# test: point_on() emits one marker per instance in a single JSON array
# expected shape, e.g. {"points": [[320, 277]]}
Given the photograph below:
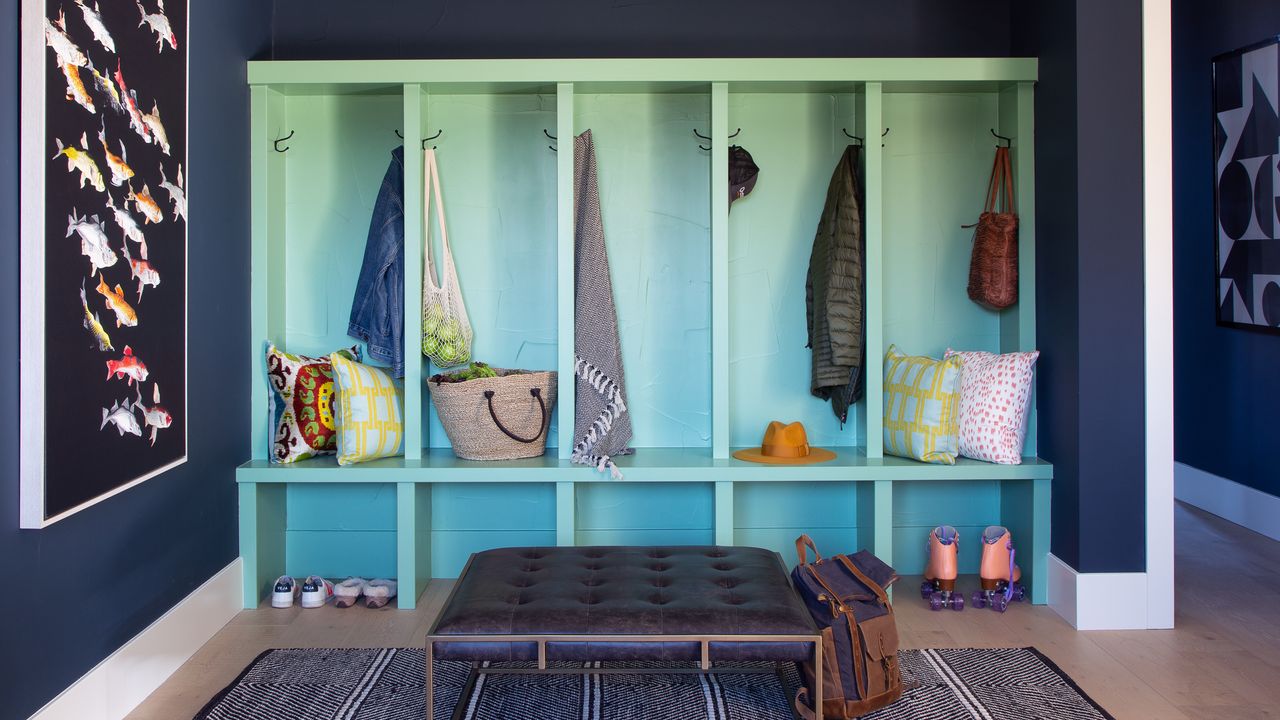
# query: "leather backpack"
{"points": [[993, 267], [846, 597]]}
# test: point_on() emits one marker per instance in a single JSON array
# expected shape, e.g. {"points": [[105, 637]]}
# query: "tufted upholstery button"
{"points": [[532, 555], [659, 567], [658, 600], [716, 553], [729, 582], [593, 582], [591, 566], [588, 600], [735, 600], [723, 566], [532, 568], [660, 582]]}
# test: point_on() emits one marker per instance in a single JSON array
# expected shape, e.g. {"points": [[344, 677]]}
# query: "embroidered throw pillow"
{"points": [[370, 418], [995, 399], [921, 407], [302, 422]]}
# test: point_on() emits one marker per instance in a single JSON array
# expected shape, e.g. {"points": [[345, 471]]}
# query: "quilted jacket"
{"points": [[834, 292]]}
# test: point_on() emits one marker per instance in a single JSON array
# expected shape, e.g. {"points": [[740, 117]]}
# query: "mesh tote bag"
{"points": [[446, 331], [993, 269]]}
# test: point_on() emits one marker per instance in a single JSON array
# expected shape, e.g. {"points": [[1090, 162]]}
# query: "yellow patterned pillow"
{"points": [[369, 415], [922, 407]]}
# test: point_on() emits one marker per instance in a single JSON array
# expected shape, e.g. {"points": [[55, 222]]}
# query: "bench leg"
{"points": [[430, 678], [817, 680]]}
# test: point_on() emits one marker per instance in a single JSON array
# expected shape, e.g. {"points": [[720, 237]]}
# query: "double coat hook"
{"points": [[424, 140], [704, 137], [277, 142], [552, 138], [861, 142], [1000, 137]]}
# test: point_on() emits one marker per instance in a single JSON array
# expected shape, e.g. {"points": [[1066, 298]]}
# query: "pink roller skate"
{"points": [[939, 586], [998, 573]]}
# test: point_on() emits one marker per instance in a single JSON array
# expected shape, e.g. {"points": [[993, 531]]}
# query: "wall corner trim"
{"points": [[118, 684], [1249, 508], [1099, 601]]}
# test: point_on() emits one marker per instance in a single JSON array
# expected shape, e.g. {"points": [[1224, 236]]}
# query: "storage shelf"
{"points": [[665, 465]]}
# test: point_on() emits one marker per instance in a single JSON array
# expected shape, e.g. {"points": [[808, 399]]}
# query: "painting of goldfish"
{"points": [[121, 416], [120, 170], [146, 204], [159, 24], [76, 91], [93, 325], [132, 231], [125, 314], [80, 159], [128, 367], [176, 194], [154, 417], [141, 271], [93, 241]]}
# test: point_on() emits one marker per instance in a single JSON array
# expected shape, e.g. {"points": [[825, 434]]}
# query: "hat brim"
{"points": [[756, 455]]}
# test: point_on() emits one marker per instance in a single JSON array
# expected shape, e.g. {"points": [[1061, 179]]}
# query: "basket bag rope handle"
{"points": [[1001, 179], [432, 187], [537, 393]]}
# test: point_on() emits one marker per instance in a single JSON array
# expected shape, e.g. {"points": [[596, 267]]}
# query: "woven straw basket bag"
{"points": [[498, 418]]}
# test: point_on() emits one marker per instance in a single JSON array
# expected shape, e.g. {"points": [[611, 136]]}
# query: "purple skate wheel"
{"points": [[999, 603], [1019, 592], [957, 602], [979, 600], [926, 589], [935, 601]]}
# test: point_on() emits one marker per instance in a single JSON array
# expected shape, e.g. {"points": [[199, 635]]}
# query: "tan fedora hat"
{"points": [[785, 445]]}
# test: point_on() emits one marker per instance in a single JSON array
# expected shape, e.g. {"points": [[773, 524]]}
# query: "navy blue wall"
{"points": [[1227, 381], [1089, 274], [82, 587]]}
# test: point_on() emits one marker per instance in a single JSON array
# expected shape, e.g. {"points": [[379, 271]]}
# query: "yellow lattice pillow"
{"points": [[369, 415], [922, 407]]}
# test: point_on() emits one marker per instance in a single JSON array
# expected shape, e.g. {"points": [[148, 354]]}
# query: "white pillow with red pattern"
{"points": [[995, 400]]}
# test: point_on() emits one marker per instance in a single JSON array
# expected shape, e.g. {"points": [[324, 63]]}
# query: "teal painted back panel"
{"points": [[655, 507], [334, 168], [772, 515], [920, 506], [341, 530], [795, 139], [468, 518], [937, 163], [499, 184], [654, 186]]}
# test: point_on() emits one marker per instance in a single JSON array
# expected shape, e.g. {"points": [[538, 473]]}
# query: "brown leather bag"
{"points": [[993, 269]]}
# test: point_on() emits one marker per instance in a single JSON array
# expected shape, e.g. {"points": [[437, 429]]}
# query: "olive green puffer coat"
{"points": [[834, 292]]}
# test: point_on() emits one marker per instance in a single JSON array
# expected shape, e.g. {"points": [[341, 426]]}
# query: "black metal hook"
{"points": [[861, 142], [277, 142], [1000, 137], [424, 140], [551, 137], [704, 137]]}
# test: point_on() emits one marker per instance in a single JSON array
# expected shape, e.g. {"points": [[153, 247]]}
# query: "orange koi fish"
{"points": [[146, 204], [155, 417], [142, 272], [82, 161], [76, 91], [128, 367], [125, 314], [158, 133], [120, 170]]}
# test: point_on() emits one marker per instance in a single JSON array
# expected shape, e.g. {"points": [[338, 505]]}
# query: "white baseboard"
{"points": [[116, 686], [1228, 499], [1098, 601]]}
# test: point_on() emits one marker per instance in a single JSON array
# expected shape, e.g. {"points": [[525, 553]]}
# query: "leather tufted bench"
{"points": [[586, 604]]}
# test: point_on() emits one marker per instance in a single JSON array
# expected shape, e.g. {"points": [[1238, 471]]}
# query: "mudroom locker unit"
{"points": [[711, 304]]}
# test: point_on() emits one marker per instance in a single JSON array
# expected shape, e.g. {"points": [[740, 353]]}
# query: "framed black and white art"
{"points": [[1246, 152], [104, 250]]}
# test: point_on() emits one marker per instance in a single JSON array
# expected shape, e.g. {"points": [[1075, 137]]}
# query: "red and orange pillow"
{"points": [[303, 423]]}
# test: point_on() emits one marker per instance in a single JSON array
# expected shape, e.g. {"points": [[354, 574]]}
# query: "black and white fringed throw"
{"points": [[602, 426]]}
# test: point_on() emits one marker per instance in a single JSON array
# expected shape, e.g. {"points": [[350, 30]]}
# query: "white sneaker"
{"points": [[316, 591], [347, 592], [379, 592], [284, 591]]}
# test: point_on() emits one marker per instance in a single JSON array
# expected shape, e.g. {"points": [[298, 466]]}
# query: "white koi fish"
{"points": [[159, 25], [93, 325], [152, 119], [55, 35], [121, 415], [125, 314], [93, 18], [155, 417], [82, 161], [107, 88], [142, 272], [93, 241], [120, 170], [76, 91], [146, 204], [176, 193], [131, 106], [132, 231]]}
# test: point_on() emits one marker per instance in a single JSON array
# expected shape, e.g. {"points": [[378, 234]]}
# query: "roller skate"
{"points": [[939, 586], [998, 573]]}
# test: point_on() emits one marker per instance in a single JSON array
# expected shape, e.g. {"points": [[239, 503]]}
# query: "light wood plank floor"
{"points": [[1222, 661]]}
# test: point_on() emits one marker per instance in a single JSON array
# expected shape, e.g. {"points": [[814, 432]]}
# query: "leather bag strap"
{"points": [[881, 595], [1001, 179], [801, 543]]}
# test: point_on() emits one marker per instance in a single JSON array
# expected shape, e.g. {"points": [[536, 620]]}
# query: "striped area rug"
{"points": [[387, 684]]}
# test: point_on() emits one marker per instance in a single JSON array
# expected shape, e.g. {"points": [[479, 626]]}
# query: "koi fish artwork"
{"points": [[176, 193], [132, 231], [131, 106], [158, 134], [93, 18], [121, 415], [146, 205], [154, 417], [93, 241], [142, 272], [128, 367], [55, 35], [76, 91], [125, 314], [82, 161], [108, 89], [92, 324], [120, 170], [159, 24]]}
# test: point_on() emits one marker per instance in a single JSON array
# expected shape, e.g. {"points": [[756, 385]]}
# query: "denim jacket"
{"points": [[377, 312]]}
